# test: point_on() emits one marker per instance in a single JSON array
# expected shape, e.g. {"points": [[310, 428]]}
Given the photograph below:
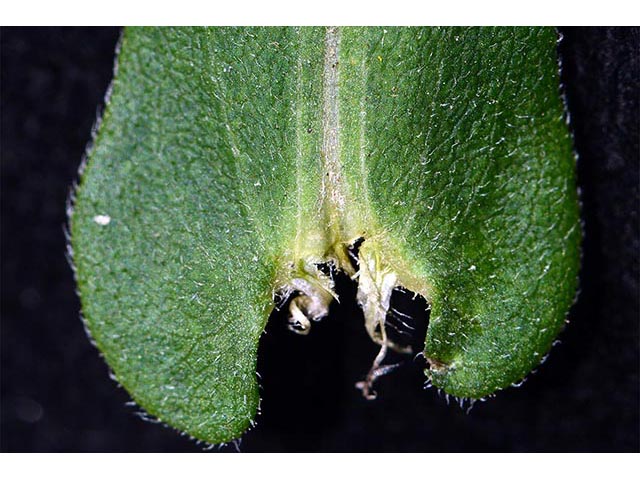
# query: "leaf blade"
{"points": [[211, 167]]}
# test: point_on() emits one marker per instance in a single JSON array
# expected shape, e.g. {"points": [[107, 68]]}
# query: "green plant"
{"points": [[232, 161]]}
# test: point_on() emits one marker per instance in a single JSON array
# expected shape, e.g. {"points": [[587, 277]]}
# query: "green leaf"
{"points": [[231, 161]]}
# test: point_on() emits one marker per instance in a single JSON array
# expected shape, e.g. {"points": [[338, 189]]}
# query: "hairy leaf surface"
{"points": [[231, 161]]}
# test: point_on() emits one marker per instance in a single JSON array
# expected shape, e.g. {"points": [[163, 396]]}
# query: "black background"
{"points": [[56, 392]]}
